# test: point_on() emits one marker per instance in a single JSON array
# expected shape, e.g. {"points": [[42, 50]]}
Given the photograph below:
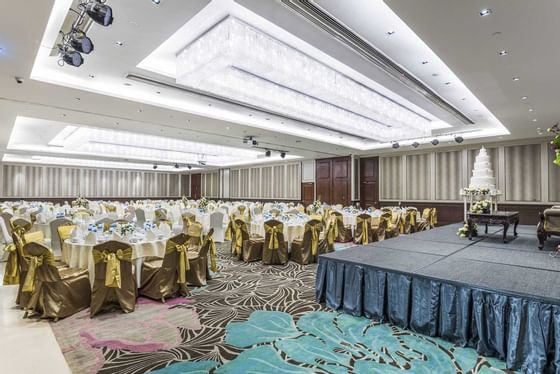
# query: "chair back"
{"points": [[106, 222], [433, 217], [64, 232], [160, 214], [275, 212], [56, 240], [140, 217], [311, 235], [40, 266], [363, 227], [194, 232], [188, 218], [176, 256], [273, 235], [257, 211], [240, 234], [35, 236], [7, 217], [23, 223], [216, 219]]}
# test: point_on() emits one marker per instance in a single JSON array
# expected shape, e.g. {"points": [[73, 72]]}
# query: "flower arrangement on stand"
{"points": [[556, 142], [482, 206], [126, 229], [203, 203], [317, 204], [80, 202], [463, 232]]}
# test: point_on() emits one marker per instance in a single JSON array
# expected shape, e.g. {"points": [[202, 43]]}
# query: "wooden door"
{"points": [[369, 182], [195, 186], [341, 182], [307, 193], [323, 178]]}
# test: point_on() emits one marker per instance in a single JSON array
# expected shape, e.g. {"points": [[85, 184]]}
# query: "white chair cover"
{"points": [[217, 223]]}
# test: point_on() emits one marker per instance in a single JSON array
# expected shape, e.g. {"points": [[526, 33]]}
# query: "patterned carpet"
{"points": [[253, 319]]}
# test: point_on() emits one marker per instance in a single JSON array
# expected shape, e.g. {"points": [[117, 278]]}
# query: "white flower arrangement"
{"points": [[317, 204], [203, 203], [482, 206], [463, 232], [81, 202]]}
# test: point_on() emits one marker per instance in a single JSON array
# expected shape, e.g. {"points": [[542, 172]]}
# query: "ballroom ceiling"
{"points": [[127, 83]]}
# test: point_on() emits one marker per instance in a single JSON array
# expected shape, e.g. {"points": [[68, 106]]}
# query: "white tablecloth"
{"points": [[292, 231], [79, 255]]}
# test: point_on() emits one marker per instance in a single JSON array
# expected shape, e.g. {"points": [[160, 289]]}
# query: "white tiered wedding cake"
{"points": [[483, 176]]}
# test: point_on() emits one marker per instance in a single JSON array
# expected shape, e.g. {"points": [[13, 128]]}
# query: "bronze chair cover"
{"points": [[54, 292], [306, 251], [194, 232], [425, 221], [251, 247], [239, 234], [106, 222], [7, 217], [397, 225], [22, 297], [198, 262], [362, 234], [379, 226], [23, 223], [56, 241], [188, 218], [168, 277], [160, 214], [230, 228], [275, 250], [391, 228], [410, 219], [326, 244], [343, 234], [114, 283], [65, 232], [35, 236]]}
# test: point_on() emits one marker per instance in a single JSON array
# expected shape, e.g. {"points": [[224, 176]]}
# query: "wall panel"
{"points": [[523, 172], [449, 175], [390, 179], [280, 182]]}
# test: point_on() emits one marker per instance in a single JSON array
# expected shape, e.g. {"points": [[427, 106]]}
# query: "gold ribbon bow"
{"points": [[213, 255], [113, 270], [184, 266], [238, 239], [273, 242], [33, 262], [314, 239], [11, 274]]}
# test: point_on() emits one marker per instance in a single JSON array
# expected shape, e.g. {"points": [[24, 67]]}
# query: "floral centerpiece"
{"points": [[203, 203], [185, 201], [476, 191], [80, 202], [482, 206], [556, 142], [126, 229], [317, 204]]}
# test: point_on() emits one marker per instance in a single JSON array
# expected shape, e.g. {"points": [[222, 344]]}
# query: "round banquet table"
{"points": [[79, 255], [44, 227], [292, 231]]}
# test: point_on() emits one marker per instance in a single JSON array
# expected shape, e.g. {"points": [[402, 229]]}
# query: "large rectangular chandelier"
{"points": [[238, 62]]}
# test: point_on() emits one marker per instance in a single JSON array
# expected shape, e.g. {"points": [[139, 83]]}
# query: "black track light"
{"points": [[72, 58], [396, 145], [156, 2], [100, 13], [459, 139], [155, 166], [189, 167], [176, 166], [81, 43], [415, 144], [267, 153], [283, 154], [435, 142]]}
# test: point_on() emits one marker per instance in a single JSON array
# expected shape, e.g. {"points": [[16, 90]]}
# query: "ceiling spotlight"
{"points": [[267, 153], [119, 43], [176, 166], [283, 154], [515, 79], [396, 145], [485, 12], [72, 58], [201, 162], [447, 83], [424, 62], [435, 141], [524, 98], [81, 43], [531, 109], [189, 167], [534, 120], [459, 139], [503, 52], [100, 13], [390, 32], [154, 167], [415, 144], [156, 2]]}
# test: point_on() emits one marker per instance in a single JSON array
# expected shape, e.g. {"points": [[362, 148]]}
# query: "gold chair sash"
{"points": [[11, 273], [229, 228], [184, 266], [213, 254], [113, 260], [365, 222], [273, 231], [35, 236], [33, 262], [238, 238], [332, 231]]}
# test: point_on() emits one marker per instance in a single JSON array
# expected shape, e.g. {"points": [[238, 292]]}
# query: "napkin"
{"points": [[150, 235], [76, 233], [164, 229], [115, 236], [91, 238]]}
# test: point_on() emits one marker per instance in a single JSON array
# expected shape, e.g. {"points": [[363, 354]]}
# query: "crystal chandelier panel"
{"points": [[238, 62]]}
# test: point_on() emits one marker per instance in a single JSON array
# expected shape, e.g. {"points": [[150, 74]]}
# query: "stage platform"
{"points": [[501, 298]]}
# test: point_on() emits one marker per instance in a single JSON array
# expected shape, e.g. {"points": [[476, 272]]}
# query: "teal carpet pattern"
{"points": [[264, 319]]}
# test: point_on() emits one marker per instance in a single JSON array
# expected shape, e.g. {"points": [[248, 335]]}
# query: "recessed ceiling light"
{"points": [[157, 2], [447, 83], [78, 99], [268, 119], [534, 120], [435, 74], [119, 43], [524, 98], [515, 79], [127, 84], [390, 32], [485, 12], [158, 92], [424, 62], [227, 127], [503, 52], [531, 109], [464, 98], [92, 76]]}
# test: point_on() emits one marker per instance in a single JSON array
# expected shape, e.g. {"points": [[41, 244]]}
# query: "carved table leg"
{"points": [[470, 225], [506, 226], [515, 227], [486, 229]]}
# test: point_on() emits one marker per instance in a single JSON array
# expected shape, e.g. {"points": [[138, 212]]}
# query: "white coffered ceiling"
{"points": [[131, 89]]}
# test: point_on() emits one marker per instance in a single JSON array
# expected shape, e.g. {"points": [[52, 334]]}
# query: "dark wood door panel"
{"points": [[369, 182], [323, 169], [195, 186], [341, 169], [307, 193]]}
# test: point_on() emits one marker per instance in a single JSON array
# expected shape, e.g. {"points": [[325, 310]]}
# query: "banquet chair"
{"points": [[241, 209], [167, 277], [187, 219], [343, 234], [217, 223], [64, 232], [22, 298], [397, 223], [425, 220], [409, 221], [306, 251], [197, 274], [326, 242], [106, 222], [257, 211], [56, 241], [194, 233], [549, 224], [433, 218], [33, 217], [244, 246], [160, 214], [23, 223], [274, 212], [140, 217], [362, 234], [114, 283], [275, 250], [54, 292], [7, 217], [378, 227], [391, 221], [82, 214]]}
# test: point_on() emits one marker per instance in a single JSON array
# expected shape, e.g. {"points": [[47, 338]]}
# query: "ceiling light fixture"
{"points": [[283, 154], [503, 52], [99, 12], [415, 145], [535, 120], [81, 43], [390, 32], [531, 109], [435, 141], [459, 139], [156, 2], [314, 92], [515, 79], [189, 167], [485, 12], [155, 166], [267, 153], [524, 97], [72, 58], [424, 62], [119, 43], [395, 145], [176, 166]]}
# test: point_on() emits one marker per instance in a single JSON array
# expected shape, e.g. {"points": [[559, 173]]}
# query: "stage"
{"points": [[501, 298]]}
